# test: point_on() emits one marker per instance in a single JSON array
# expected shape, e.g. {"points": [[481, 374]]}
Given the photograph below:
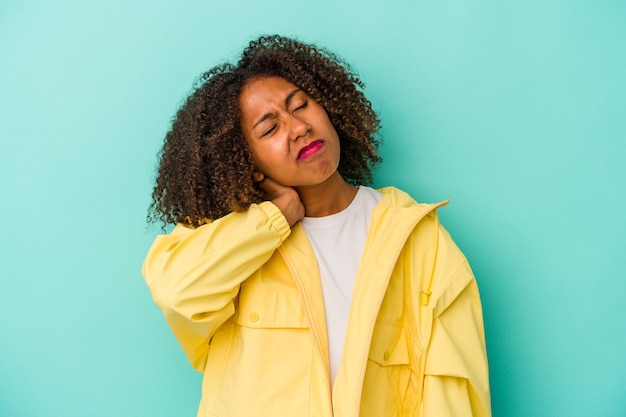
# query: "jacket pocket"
{"points": [[388, 377], [267, 368], [264, 306], [389, 345]]}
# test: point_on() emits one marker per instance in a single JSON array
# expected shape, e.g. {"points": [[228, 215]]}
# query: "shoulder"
{"points": [[395, 201]]}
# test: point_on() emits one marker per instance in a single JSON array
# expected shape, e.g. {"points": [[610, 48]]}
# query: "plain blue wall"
{"points": [[513, 110]]}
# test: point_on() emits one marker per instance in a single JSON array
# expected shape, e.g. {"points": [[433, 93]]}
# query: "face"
{"points": [[290, 135]]}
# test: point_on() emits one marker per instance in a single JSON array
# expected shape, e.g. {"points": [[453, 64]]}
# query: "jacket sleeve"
{"points": [[194, 274], [456, 377]]}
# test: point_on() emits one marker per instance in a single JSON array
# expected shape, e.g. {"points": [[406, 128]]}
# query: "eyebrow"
{"points": [[269, 115]]}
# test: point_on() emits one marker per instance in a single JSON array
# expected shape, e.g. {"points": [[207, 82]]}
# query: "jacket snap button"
{"points": [[254, 317], [386, 356]]}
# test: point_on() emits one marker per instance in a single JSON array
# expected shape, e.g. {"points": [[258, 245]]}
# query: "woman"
{"points": [[296, 289]]}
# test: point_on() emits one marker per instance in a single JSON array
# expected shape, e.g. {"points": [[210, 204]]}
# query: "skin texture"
{"points": [[294, 146], [206, 168]]}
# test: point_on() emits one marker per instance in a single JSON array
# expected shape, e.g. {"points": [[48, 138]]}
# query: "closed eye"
{"points": [[301, 106], [270, 130]]}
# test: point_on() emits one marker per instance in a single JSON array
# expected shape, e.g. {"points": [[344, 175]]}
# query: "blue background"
{"points": [[513, 110]]}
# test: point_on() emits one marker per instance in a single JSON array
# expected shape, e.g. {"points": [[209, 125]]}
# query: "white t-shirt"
{"points": [[338, 242]]}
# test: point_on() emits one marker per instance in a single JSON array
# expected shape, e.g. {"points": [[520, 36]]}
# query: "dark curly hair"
{"points": [[205, 166]]}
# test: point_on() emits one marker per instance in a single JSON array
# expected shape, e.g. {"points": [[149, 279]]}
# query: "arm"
{"points": [[456, 381], [194, 274]]}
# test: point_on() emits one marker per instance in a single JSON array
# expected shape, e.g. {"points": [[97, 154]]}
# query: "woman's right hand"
{"points": [[285, 198]]}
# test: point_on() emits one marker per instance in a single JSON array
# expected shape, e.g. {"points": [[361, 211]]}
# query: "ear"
{"points": [[257, 176]]}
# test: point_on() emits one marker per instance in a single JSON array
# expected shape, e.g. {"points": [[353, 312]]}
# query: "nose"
{"points": [[299, 128]]}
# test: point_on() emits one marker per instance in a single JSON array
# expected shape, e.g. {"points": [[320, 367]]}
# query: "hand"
{"points": [[285, 198]]}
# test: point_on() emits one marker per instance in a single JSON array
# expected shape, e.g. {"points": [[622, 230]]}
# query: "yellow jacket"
{"points": [[243, 297]]}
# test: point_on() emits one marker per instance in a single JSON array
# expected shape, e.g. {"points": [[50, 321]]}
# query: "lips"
{"points": [[310, 149]]}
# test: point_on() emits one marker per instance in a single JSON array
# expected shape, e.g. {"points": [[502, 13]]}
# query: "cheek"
{"points": [[264, 156]]}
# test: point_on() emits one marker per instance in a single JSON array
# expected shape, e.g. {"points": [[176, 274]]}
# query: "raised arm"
{"points": [[194, 274]]}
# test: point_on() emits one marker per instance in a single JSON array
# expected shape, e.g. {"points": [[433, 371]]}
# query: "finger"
{"points": [[272, 188], [269, 186]]}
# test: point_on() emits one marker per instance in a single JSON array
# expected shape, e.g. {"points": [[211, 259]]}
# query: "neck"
{"points": [[330, 197]]}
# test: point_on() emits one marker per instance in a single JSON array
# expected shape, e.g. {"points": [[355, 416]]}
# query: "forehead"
{"points": [[266, 89], [263, 97]]}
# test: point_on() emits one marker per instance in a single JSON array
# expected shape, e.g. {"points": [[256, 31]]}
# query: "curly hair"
{"points": [[205, 167]]}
